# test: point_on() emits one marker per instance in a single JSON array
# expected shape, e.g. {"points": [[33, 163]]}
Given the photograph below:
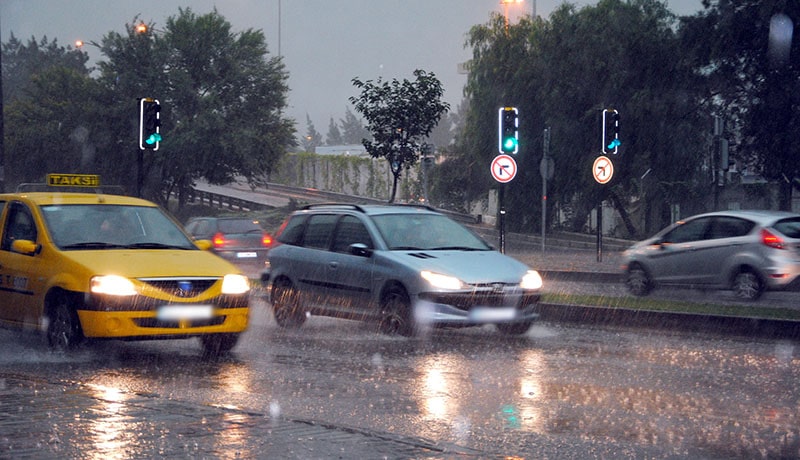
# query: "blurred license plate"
{"points": [[173, 312], [245, 255], [492, 314]]}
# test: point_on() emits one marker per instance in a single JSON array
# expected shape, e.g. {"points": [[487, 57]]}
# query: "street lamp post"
{"points": [[505, 4]]}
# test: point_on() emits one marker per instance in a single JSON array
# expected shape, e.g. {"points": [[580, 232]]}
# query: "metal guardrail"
{"points": [[557, 241], [221, 201]]}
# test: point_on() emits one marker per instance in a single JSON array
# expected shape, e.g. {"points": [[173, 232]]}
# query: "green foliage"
{"points": [[353, 131], [221, 93], [399, 116], [756, 94], [312, 139], [561, 74]]}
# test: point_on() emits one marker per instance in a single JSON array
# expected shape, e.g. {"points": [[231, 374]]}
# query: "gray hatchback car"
{"points": [[402, 267], [746, 251]]}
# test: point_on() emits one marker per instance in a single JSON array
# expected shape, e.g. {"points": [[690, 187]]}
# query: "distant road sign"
{"points": [[602, 169], [504, 168]]}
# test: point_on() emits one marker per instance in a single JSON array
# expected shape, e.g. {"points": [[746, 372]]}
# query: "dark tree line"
{"points": [[222, 97], [667, 76]]}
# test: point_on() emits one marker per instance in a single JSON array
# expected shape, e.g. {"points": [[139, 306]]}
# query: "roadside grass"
{"points": [[699, 308]]}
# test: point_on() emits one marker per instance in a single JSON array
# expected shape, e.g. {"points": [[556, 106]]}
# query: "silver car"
{"points": [[403, 267], [746, 251]]}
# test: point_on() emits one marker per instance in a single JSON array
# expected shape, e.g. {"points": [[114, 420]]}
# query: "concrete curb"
{"points": [[688, 322]]}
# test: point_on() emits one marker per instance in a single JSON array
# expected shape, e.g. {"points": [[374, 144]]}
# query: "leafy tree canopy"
{"points": [[399, 116]]}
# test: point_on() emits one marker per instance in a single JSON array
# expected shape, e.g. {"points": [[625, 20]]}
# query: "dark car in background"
{"points": [[240, 240], [402, 267], [745, 251]]}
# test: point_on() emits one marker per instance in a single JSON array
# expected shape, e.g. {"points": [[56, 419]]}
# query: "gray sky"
{"points": [[325, 43]]}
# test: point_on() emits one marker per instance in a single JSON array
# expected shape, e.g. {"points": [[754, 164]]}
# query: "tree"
{"points": [[21, 62], [334, 136], [53, 112], [313, 138], [352, 129], [399, 116], [561, 74], [58, 127], [221, 95], [757, 95]]}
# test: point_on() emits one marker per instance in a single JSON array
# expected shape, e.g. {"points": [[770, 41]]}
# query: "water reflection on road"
{"points": [[560, 391]]}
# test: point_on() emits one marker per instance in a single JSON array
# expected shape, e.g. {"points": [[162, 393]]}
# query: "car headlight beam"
{"points": [[439, 281], [235, 284], [112, 285], [531, 281]]}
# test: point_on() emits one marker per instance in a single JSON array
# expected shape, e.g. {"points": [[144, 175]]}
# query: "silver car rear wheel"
{"points": [[747, 285]]}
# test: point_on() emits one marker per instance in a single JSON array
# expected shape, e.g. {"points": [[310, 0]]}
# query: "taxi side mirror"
{"points": [[26, 247], [204, 245]]}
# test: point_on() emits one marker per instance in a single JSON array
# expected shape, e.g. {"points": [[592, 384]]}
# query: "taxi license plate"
{"points": [[178, 312], [245, 255], [492, 314]]}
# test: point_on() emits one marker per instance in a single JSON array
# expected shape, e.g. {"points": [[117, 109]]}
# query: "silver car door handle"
{"points": [[333, 265]]}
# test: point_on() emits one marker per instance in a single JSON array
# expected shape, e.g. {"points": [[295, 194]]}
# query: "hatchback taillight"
{"points": [[266, 240], [218, 240], [772, 240]]}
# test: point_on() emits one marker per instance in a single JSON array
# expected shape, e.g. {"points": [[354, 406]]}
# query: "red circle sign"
{"points": [[602, 170], [504, 168]]}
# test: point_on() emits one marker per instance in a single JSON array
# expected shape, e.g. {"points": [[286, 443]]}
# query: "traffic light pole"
{"points": [[501, 203], [139, 173]]}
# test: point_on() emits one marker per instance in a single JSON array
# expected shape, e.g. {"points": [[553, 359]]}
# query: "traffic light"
{"points": [[149, 123], [610, 139], [508, 135]]}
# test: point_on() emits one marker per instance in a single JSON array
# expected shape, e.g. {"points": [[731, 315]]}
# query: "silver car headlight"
{"points": [[439, 281], [532, 280], [235, 284], [112, 285]]}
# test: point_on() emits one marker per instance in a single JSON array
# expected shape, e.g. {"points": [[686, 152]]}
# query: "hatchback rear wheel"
{"points": [[747, 285]]}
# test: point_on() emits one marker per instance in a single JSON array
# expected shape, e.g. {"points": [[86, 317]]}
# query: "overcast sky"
{"points": [[325, 43]]}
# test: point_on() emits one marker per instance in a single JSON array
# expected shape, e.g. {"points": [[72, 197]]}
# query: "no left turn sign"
{"points": [[504, 168]]}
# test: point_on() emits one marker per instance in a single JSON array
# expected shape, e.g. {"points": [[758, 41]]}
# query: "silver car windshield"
{"points": [[91, 226], [426, 231]]}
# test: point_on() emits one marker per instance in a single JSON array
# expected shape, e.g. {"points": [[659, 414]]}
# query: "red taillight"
{"points": [[772, 240], [266, 240], [218, 240]]}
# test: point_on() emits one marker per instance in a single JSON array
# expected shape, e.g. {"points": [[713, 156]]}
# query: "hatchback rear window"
{"points": [[789, 227], [238, 226]]}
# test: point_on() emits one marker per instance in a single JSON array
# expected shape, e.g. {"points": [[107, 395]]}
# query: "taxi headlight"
{"points": [[112, 285], [235, 284], [531, 280], [440, 281]]}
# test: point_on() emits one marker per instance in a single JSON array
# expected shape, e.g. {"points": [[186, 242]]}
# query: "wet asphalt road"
{"points": [[558, 392]]}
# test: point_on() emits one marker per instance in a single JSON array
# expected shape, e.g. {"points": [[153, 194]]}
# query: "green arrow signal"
{"points": [[155, 137]]}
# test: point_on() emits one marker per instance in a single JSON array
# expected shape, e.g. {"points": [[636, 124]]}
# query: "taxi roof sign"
{"points": [[73, 180]]}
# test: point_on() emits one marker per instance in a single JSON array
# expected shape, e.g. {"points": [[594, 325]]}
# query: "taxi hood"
{"points": [[145, 263]]}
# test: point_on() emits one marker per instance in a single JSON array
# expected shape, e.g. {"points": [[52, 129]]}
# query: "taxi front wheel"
{"points": [[64, 328]]}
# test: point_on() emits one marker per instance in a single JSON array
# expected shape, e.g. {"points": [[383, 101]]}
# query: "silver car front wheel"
{"points": [[638, 281]]}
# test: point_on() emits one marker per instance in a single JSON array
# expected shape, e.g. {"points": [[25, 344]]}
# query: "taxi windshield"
{"points": [[94, 226]]}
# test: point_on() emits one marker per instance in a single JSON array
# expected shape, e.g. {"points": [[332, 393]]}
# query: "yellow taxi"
{"points": [[94, 265]]}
